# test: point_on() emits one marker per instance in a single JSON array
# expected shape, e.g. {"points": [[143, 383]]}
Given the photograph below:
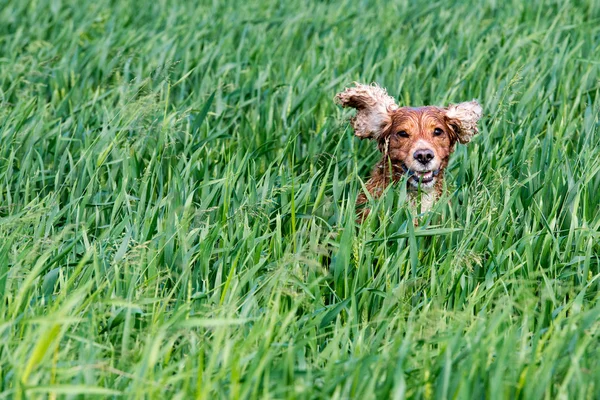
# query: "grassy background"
{"points": [[177, 197]]}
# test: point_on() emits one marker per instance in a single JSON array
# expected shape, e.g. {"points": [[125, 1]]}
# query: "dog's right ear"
{"points": [[373, 109]]}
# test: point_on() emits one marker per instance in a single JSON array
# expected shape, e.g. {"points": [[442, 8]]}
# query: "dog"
{"points": [[415, 142]]}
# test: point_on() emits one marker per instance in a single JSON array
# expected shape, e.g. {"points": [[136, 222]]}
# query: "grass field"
{"points": [[177, 195]]}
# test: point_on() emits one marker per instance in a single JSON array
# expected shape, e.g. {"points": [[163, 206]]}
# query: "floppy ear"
{"points": [[373, 107], [463, 119]]}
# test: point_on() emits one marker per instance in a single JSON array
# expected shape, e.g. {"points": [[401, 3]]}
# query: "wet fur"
{"points": [[401, 132]]}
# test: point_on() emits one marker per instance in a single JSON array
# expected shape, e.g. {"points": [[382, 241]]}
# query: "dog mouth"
{"points": [[423, 176], [420, 177]]}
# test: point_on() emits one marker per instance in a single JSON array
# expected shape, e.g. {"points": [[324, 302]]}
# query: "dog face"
{"points": [[420, 139]]}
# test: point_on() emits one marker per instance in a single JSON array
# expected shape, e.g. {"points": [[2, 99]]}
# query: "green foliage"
{"points": [[177, 197]]}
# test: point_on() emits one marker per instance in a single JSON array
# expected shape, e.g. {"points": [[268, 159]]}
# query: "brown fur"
{"points": [[404, 132]]}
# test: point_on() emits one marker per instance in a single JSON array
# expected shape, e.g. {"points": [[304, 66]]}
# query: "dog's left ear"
{"points": [[463, 119]]}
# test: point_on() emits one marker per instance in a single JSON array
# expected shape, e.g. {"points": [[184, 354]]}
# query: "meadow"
{"points": [[177, 193]]}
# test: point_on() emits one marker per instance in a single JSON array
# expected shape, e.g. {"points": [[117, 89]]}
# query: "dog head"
{"points": [[419, 139]]}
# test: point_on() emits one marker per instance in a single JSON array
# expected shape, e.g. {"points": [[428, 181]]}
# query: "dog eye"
{"points": [[402, 134], [438, 132]]}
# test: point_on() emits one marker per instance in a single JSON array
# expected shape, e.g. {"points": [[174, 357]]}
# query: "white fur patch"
{"points": [[428, 199], [422, 144]]}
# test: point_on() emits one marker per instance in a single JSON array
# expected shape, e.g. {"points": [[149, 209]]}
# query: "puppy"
{"points": [[415, 142]]}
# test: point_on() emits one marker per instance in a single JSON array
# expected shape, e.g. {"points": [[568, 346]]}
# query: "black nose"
{"points": [[423, 156]]}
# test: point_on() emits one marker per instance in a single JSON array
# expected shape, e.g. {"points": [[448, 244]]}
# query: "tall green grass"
{"points": [[177, 197]]}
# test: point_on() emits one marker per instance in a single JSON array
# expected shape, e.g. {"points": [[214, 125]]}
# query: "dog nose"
{"points": [[423, 156]]}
